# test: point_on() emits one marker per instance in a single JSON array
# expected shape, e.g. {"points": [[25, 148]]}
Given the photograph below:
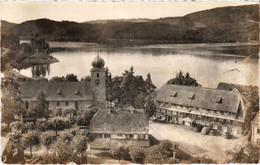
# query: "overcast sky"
{"points": [[18, 12]]}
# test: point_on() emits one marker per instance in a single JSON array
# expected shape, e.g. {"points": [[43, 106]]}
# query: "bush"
{"points": [[86, 116], [66, 136], [30, 138], [44, 125], [244, 154], [68, 111], [28, 127], [4, 129], [73, 120], [47, 138], [16, 125], [120, 152], [159, 153], [137, 155], [16, 135], [62, 152], [203, 160], [59, 123]]}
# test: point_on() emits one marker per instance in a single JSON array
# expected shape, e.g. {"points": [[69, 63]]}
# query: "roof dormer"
{"points": [[191, 96], [174, 94], [76, 92], [59, 92], [218, 99]]}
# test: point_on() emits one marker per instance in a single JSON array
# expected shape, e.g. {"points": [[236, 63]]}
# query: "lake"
{"points": [[209, 64]]}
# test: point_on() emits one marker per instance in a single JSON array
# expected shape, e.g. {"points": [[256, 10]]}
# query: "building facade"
{"points": [[221, 110], [129, 127], [74, 94], [255, 138]]}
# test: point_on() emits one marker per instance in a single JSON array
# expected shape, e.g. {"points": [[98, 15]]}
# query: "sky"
{"points": [[17, 12]]}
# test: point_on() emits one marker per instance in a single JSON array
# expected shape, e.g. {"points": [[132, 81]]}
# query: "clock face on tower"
{"points": [[97, 81]]}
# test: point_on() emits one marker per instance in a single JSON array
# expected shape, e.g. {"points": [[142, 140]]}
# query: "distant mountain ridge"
{"points": [[218, 25]]}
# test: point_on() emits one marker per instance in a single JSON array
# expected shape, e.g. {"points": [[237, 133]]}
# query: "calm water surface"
{"points": [[208, 63]]}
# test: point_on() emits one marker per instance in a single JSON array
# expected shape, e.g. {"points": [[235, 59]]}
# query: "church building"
{"points": [[75, 94]]}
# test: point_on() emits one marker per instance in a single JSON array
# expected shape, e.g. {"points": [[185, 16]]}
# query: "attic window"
{"points": [[191, 96], [76, 92], [59, 92], [174, 94], [218, 99]]}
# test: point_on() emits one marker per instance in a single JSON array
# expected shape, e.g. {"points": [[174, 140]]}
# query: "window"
{"points": [[141, 136], [120, 135], [58, 103], [98, 135], [258, 141], [26, 104], [131, 136], [258, 130], [97, 75], [76, 105], [107, 136], [67, 103]]}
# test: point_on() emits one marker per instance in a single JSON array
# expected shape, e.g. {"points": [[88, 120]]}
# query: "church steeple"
{"points": [[98, 81]]}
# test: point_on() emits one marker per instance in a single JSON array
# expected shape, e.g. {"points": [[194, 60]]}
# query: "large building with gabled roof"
{"points": [[221, 110], [112, 127]]}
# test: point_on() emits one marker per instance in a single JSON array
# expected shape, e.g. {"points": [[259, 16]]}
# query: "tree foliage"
{"points": [[245, 154], [159, 153], [85, 116], [69, 78], [137, 155], [72, 78], [12, 104], [71, 111], [128, 89], [47, 138], [29, 139], [181, 79], [42, 106], [120, 152]]}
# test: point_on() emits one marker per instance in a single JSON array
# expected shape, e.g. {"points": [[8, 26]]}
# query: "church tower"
{"points": [[98, 82]]}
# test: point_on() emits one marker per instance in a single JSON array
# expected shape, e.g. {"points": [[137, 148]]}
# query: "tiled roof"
{"points": [[120, 121], [207, 98], [56, 91]]}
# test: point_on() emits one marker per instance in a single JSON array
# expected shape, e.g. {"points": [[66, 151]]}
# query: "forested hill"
{"points": [[225, 24]]}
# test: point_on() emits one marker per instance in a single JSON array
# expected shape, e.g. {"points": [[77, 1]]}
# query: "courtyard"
{"points": [[195, 143]]}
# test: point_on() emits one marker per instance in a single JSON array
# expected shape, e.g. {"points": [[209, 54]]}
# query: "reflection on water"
{"points": [[40, 70], [208, 63]]}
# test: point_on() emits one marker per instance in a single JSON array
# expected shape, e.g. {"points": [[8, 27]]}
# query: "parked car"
{"points": [[205, 130], [198, 128], [213, 132], [228, 135]]}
